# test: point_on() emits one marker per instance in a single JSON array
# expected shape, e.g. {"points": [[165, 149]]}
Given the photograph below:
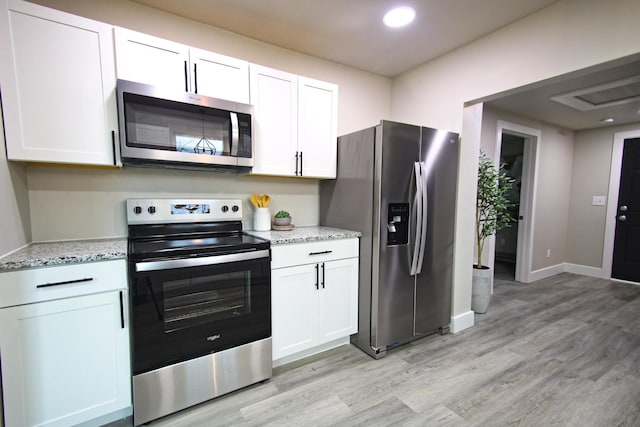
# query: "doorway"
{"points": [[521, 235], [511, 158], [626, 248], [617, 187]]}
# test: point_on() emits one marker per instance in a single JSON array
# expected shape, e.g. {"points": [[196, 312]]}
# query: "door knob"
{"points": [[622, 217], [623, 208]]}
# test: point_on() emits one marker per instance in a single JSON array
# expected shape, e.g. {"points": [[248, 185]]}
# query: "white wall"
{"points": [[567, 36], [553, 181], [73, 203], [15, 230], [590, 177]]}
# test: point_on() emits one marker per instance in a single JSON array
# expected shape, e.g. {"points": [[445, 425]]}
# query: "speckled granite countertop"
{"points": [[67, 252], [304, 234], [77, 251]]}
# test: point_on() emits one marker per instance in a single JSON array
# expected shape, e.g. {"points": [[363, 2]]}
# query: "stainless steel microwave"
{"points": [[159, 127]]}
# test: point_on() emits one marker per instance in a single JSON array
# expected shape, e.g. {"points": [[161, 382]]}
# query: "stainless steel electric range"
{"points": [[200, 303]]}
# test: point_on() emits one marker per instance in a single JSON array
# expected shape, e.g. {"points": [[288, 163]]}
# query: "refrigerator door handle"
{"points": [[417, 201], [425, 212]]}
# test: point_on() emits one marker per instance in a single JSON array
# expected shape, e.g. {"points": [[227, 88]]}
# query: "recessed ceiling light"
{"points": [[399, 17], [607, 120]]}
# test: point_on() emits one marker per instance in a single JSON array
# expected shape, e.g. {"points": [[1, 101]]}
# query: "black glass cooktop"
{"points": [[152, 242]]}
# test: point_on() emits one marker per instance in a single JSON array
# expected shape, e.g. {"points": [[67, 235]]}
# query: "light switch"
{"points": [[598, 201]]}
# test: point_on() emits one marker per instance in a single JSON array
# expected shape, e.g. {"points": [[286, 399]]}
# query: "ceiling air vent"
{"points": [[601, 96]]}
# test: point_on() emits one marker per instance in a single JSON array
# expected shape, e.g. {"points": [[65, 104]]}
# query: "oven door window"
{"points": [[182, 313], [191, 301]]}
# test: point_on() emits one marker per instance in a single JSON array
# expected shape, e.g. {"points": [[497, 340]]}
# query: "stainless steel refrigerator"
{"points": [[396, 184]]}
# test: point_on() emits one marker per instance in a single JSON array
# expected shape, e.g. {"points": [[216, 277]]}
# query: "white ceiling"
{"points": [[351, 32], [536, 102]]}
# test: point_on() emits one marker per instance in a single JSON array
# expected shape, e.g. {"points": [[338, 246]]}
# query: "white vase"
{"points": [[262, 219], [481, 289]]}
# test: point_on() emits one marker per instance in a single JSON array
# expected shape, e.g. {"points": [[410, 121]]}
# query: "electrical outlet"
{"points": [[548, 253], [598, 201]]}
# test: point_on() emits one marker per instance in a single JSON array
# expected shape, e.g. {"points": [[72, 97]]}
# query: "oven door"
{"points": [[186, 308]]}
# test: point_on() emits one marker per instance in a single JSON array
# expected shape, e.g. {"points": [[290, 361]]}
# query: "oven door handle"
{"points": [[197, 262]]}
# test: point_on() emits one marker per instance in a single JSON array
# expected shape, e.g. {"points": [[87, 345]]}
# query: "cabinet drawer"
{"points": [[49, 283], [310, 252]]}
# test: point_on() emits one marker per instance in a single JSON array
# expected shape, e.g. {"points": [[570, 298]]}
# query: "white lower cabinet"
{"points": [[314, 295], [66, 361]]}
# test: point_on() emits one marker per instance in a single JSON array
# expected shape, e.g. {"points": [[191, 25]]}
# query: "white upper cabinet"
{"points": [[151, 60], [219, 76], [57, 75], [274, 95], [317, 127], [159, 62], [296, 124]]}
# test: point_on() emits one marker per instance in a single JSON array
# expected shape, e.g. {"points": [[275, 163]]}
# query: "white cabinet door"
{"points": [[65, 361], [338, 300], [219, 76], [151, 60], [274, 95], [58, 86], [155, 61], [294, 309], [317, 127]]}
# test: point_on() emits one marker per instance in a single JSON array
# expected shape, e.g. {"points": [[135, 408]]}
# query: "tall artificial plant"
{"points": [[492, 204]]}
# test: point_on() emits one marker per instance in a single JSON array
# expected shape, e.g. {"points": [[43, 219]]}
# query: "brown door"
{"points": [[626, 250]]}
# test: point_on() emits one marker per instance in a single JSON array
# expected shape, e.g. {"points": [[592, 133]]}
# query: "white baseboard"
{"points": [[311, 351], [461, 322], [583, 270], [543, 273], [624, 281]]}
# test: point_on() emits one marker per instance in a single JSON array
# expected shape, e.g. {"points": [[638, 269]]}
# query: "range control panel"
{"points": [[150, 211]]}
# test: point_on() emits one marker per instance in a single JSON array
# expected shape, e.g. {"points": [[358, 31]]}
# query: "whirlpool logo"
{"points": [[213, 337]]}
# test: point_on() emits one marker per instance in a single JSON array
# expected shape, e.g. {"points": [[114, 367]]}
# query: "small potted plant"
{"points": [[282, 218]]}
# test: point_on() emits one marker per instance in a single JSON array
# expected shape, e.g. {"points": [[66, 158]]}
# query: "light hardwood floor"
{"points": [[564, 351]]}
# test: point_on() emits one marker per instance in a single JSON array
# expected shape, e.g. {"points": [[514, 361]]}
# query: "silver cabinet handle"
{"points": [[623, 208], [622, 217]]}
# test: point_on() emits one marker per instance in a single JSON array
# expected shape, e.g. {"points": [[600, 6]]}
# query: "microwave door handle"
{"points": [[235, 134]]}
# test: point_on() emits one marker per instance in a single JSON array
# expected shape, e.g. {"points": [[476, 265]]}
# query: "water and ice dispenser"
{"points": [[397, 224]]}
